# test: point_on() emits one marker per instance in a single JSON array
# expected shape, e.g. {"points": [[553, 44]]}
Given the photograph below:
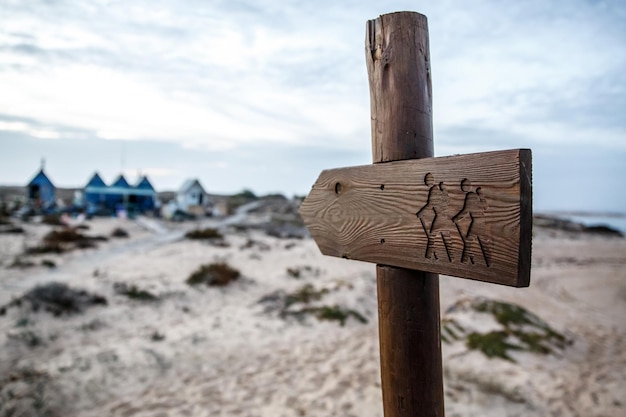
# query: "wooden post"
{"points": [[398, 66]]}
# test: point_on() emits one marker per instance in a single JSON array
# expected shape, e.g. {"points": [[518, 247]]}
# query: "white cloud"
{"points": [[118, 106], [24, 127], [211, 77]]}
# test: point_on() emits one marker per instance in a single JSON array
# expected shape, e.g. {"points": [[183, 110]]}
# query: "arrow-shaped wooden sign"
{"points": [[468, 216]]}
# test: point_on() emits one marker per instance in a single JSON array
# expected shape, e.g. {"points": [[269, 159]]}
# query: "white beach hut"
{"points": [[192, 198]]}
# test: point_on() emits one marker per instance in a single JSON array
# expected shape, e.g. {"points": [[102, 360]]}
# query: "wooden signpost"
{"points": [[416, 216], [465, 216]]}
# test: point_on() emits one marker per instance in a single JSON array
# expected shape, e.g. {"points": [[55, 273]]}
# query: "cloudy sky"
{"points": [[264, 94]]}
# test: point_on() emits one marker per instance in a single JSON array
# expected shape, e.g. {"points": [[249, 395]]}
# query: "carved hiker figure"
{"points": [[435, 220], [470, 223]]}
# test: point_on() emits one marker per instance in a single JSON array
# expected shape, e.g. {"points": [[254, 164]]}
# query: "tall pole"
{"points": [[398, 65]]}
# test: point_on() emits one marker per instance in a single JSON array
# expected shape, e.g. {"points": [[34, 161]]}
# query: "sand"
{"points": [[207, 351]]}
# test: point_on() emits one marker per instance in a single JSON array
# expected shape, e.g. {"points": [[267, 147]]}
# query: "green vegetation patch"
{"points": [[328, 313], [493, 344], [304, 295], [533, 333], [520, 330], [298, 272], [505, 313], [217, 274], [338, 314], [451, 330], [133, 292], [297, 305]]}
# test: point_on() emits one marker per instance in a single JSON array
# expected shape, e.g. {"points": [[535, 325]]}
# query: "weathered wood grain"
{"points": [[398, 66], [478, 224], [397, 57], [410, 343]]}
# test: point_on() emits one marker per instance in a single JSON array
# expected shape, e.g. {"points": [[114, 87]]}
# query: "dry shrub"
{"points": [[157, 337], [45, 247], [12, 230], [18, 262], [59, 241], [603, 229], [25, 391], [251, 244], [219, 243], [66, 235], [218, 274], [48, 263], [58, 299], [52, 220], [119, 232], [207, 233]]}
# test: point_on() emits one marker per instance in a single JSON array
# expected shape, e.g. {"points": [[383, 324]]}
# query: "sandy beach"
{"points": [[296, 334]]}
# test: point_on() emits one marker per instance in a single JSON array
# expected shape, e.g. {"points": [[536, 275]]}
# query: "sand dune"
{"points": [[210, 351]]}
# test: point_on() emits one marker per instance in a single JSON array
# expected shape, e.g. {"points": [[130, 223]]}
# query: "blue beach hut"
{"points": [[144, 195], [95, 191], [120, 195], [40, 191], [117, 194]]}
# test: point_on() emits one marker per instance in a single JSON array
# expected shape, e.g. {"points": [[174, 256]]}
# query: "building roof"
{"points": [[188, 184], [95, 181], [144, 184], [120, 187], [120, 182], [41, 178]]}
